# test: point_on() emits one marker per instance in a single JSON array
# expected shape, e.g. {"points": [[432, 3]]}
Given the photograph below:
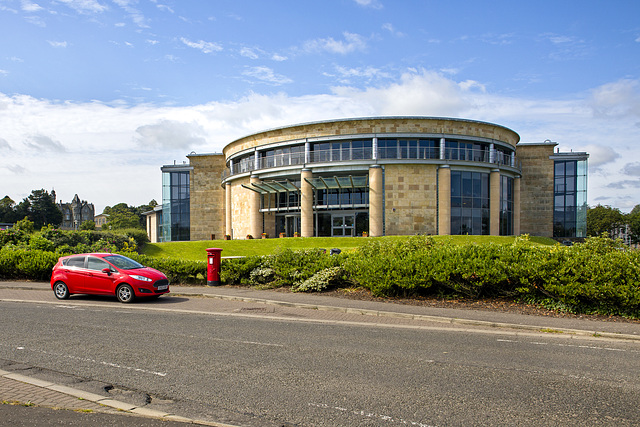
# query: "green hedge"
{"points": [[598, 276], [595, 276], [26, 264]]}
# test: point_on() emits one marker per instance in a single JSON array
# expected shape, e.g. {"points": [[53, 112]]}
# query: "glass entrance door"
{"points": [[343, 225], [292, 225]]}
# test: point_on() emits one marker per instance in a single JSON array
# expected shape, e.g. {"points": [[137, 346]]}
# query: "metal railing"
{"points": [[365, 153]]}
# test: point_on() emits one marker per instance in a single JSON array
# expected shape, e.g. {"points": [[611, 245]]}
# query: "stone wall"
{"points": [[240, 209], [207, 196], [536, 189], [411, 196]]}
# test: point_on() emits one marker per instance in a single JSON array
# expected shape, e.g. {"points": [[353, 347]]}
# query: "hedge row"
{"points": [[596, 276], [68, 241]]}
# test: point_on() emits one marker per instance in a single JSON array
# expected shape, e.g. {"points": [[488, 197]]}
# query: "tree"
{"points": [[633, 219], [125, 216], [43, 209], [603, 219], [88, 225], [25, 225], [7, 210]]}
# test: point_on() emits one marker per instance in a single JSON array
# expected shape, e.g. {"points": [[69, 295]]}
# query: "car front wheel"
{"points": [[61, 290], [125, 294]]}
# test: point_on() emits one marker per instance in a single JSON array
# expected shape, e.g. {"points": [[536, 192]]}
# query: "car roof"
{"points": [[98, 254]]}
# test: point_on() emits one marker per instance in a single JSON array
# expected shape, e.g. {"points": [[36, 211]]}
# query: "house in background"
{"points": [[100, 220], [75, 213]]}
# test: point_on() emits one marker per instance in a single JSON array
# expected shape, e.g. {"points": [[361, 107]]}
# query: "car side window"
{"points": [[77, 261], [97, 264]]}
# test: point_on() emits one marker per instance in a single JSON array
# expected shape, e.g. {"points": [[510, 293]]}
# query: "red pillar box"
{"points": [[213, 266]]}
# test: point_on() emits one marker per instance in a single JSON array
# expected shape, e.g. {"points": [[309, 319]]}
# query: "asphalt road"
{"points": [[260, 371]]}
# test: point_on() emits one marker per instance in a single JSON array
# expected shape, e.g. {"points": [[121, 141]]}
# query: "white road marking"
{"points": [[590, 347], [100, 362], [371, 415]]}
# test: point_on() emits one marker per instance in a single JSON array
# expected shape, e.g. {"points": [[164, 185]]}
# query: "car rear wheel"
{"points": [[125, 294], [61, 290]]}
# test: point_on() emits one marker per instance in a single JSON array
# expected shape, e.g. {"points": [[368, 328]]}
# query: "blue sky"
{"points": [[96, 95]]}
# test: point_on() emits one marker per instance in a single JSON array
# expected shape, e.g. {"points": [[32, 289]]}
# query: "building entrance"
{"points": [[292, 224], [343, 225]]}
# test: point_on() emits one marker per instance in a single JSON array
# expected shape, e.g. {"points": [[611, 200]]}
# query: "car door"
{"points": [[97, 281], [74, 271]]}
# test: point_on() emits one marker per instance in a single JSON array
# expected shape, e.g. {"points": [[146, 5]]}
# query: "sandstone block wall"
{"points": [[412, 191], [207, 196], [536, 189]]}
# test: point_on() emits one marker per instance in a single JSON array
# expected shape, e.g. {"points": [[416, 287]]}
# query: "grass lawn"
{"points": [[196, 251]]}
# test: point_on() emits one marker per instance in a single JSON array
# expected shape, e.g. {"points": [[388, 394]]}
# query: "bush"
{"points": [[322, 280], [26, 264], [177, 271]]}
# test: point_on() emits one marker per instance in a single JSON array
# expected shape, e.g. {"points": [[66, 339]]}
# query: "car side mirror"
{"points": [[107, 270]]}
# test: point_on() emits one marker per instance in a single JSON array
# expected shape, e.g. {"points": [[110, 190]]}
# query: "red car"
{"points": [[106, 274]]}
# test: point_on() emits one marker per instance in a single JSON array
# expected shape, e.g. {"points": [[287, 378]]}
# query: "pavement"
{"points": [[21, 394]]}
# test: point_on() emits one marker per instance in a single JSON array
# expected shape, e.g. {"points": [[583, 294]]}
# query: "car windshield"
{"points": [[122, 262]]}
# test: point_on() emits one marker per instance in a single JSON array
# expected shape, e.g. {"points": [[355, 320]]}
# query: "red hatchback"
{"points": [[106, 274]]}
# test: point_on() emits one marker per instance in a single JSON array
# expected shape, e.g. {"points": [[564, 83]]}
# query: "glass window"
{"points": [[77, 261], [97, 264], [570, 193], [469, 202]]}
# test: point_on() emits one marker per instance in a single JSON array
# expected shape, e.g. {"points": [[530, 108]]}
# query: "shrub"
{"points": [[26, 264], [236, 271], [294, 267], [322, 280]]}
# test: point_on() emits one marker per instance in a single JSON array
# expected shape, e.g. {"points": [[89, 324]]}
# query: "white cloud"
{"points": [[278, 57], [57, 44], [27, 6], [366, 73], [632, 169], [16, 169], [4, 145], [44, 143], [375, 4], [600, 155], [392, 30], [171, 134], [85, 6], [351, 43], [136, 16], [205, 47], [248, 53], [617, 99], [267, 75]]}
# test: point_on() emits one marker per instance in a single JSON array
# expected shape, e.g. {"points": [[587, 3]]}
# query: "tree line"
{"points": [[606, 219], [41, 209]]}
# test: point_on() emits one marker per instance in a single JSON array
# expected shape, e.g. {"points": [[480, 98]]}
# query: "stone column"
{"points": [[375, 201], [494, 202], [516, 206], [227, 210], [255, 217], [306, 204], [443, 144], [444, 200]]}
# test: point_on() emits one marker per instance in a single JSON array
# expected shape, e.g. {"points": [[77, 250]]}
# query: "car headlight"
{"points": [[142, 278]]}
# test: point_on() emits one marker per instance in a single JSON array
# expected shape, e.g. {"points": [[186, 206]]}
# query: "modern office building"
{"points": [[377, 176]]}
